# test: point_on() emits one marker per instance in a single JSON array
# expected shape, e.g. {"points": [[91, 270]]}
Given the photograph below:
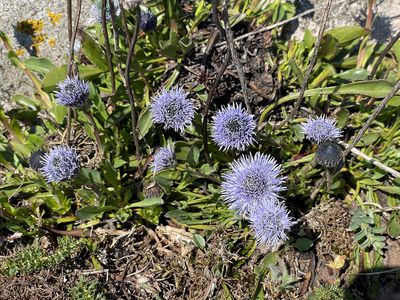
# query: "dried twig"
{"points": [[372, 160], [229, 39], [386, 209], [376, 112], [107, 43]]}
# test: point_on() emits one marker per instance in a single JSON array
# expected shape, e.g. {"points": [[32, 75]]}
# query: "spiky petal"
{"points": [[60, 164], [321, 129], [173, 109], [164, 159], [271, 223], [233, 128], [73, 92], [253, 182]]}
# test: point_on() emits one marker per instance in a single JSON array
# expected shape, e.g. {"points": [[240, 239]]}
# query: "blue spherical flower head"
{"points": [[173, 109], [164, 159], [321, 129], [253, 182], [271, 223], [96, 10], [233, 128], [60, 164], [148, 21], [72, 92]]}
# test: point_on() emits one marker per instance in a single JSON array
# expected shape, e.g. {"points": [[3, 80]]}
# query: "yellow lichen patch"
{"points": [[54, 17], [51, 42], [19, 52], [38, 40], [30, 26]]}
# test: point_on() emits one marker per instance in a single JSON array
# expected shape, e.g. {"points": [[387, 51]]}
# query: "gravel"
{"points": [[386, 24]]}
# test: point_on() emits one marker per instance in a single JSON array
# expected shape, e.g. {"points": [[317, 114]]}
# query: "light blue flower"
{"points": [[321, 129], [253, 181], [233, 128], [60, 164], [72, 92], [271, 223], [172, 109]]}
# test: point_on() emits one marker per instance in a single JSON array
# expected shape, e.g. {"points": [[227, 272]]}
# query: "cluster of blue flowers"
{"points": [[252, 189], [253, 185], [321, 129]]}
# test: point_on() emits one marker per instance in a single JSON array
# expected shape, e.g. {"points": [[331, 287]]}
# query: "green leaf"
{"points": [[91, 212], [394, 226], [58, 74], [53, 77], [60, 111], [26, 101], [145, 122], [303, 244], [308, 39], [329, 47], [41, 65], [390, 189], [93, 52], [371, 88], [348, 34], [199, 241], [353, 75], [148, 202], [193, 156], [342, 117]]}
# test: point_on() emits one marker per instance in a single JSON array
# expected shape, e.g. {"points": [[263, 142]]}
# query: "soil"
{"points": [[163, 263]]}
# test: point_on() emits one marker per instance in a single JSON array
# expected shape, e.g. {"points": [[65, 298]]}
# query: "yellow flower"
{"points": [[54, 17]]}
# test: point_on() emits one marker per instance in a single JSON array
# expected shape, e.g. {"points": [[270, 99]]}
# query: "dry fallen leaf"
{"points": [[337, 263]]}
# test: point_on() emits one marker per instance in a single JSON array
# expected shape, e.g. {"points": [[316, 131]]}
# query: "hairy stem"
{"points": [[107, 43], [71, 71], [234, 55], [383, 54], [207, 106], [312, 62], [131, 95], [96, 132]]}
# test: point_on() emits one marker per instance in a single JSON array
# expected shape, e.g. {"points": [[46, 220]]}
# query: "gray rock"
{"points": [[13, 81]]}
